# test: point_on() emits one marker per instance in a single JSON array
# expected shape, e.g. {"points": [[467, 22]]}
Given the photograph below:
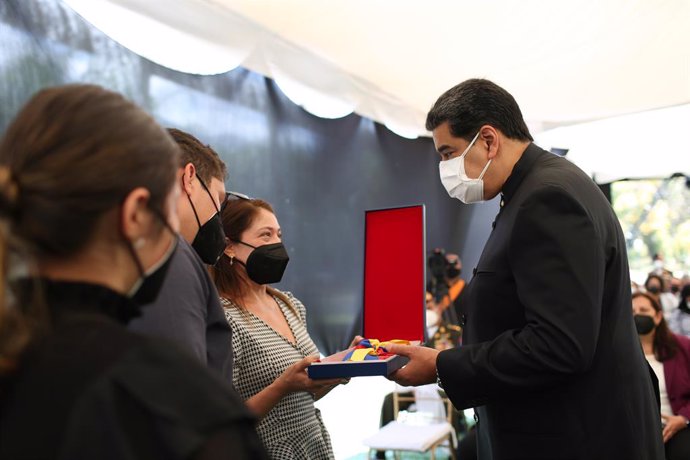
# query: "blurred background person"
{"points": [[445, 283], [442, 334], [669, 356], [655, 285], [87, 190], [270, 342], [679, 319], [188, 311]]}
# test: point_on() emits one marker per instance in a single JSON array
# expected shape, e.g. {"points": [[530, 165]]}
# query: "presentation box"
{"points": [[394, 291]]}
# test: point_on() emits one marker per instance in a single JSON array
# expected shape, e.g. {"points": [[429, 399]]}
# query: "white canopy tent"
{"points": [[566, 62]]}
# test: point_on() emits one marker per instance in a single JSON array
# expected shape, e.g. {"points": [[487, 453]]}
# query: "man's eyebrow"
{"points": [[443, 148]]}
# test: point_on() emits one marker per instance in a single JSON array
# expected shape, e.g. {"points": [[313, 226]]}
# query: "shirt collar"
{"points": [[520, 171]]}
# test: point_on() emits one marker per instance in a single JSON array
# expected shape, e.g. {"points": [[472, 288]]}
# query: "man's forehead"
{"points": [[445, 140]]}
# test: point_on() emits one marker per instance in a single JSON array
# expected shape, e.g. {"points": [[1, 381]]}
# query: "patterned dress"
{"points": [[293, 429]]}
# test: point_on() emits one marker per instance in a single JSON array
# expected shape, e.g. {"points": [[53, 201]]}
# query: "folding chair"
{"points": [[428, 428]]}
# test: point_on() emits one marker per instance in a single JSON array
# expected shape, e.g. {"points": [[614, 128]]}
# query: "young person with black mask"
{"points": [[656, 285], [87, 231], [188, 311], [270, 341], [669, 355]]}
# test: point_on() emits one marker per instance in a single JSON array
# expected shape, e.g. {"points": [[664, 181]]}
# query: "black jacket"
{"points": [[550, 354], [89, 389]]}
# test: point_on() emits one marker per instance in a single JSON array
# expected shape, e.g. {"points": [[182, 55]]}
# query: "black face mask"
{"points": [[654, 289], [644, 324], [452, 272], [149, 284], [209, 241], [266, 264]]}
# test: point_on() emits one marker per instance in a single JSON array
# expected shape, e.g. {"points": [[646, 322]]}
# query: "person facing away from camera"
{"points": [[87, 229]]}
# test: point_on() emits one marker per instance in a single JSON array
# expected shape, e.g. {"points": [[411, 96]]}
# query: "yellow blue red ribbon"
{"points": [[372, 349]]}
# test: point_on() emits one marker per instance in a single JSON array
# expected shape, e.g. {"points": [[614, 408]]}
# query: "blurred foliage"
{"points": [[655, 216]]}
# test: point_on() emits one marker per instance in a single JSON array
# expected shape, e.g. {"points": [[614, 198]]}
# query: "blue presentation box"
{"points": [[394, 304], [333, 367]]}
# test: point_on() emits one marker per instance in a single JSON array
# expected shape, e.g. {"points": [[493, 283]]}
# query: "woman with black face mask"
{"points": [[87, 229], [271, 345], [669, 356], [656, 285]]}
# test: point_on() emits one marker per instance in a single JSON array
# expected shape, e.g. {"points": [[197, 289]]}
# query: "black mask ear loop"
{"points": [[196, 216], [248, 245], [132, 251], [130, 245], [203, 184]]}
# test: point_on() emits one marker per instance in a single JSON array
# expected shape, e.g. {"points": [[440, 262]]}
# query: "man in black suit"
{"points": [[550, 358]]}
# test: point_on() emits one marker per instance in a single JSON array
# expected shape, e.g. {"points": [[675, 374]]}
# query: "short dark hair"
{"points": [[474, 103], [206, 161]]}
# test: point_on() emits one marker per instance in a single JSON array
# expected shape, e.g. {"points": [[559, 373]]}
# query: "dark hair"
{"points": [[652, 276], [72, 154], [665, 344], [475, 103], [206, 161], [684, 294], [237, 216]]}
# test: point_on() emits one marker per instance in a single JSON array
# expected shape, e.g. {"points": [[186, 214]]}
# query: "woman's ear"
{"points": [[135, 221], [658, 317]]}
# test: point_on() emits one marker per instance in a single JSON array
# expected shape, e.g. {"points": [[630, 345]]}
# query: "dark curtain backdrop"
{"points": [[320, 175]]}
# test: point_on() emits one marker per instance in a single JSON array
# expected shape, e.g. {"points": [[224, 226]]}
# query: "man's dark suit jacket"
{"points": [[550, 354]]}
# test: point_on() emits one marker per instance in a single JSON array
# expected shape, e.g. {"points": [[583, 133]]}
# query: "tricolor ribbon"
{"points": [[372, 349]]}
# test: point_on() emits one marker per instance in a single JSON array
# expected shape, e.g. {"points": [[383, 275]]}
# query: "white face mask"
{"points": [[455, 180]]}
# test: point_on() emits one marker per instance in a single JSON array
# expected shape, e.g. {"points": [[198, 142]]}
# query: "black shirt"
{"points": [[91, 389]]}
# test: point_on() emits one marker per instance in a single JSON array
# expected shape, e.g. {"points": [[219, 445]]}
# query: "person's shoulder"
{"points": [[294, 301], [188, 255], [232, 311], [188, 270], [683, 341], [160, 372], [159, 389]]}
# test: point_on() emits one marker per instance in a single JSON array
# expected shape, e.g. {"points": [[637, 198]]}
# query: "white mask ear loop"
{"points": [[481, 176], [484, 170], [470, 146]]}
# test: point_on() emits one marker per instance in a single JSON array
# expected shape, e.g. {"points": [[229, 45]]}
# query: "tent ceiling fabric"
{"points": [[629, 146], [564, 61]]}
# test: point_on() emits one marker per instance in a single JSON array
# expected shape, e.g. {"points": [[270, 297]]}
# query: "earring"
{"points": [[232, 260], [139, 243]]}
